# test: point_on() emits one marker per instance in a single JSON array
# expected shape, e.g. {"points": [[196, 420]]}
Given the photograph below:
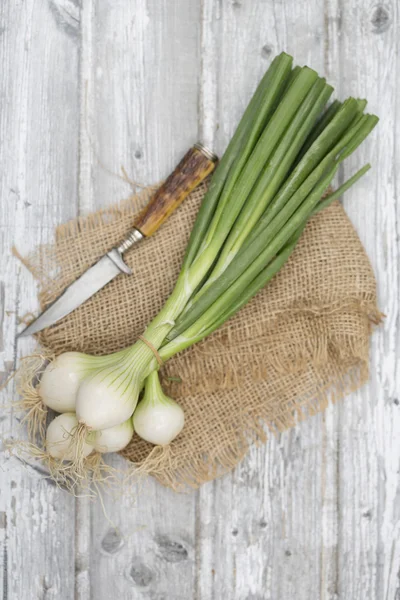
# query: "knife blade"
{"points": [[197, 163]]}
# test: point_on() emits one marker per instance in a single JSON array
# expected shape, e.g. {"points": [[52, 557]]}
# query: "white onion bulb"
{"points": [[114, 438], [58, 437], [158, 419], [60, 381], [106, 398]]}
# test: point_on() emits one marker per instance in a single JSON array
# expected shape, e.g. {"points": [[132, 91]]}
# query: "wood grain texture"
{"points": [[191, 170], [266, 516], [369, 426], [314, 513], [144, 116], [39, 151]]}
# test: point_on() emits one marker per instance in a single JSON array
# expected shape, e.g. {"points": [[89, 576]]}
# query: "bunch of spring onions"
{"points": [[283, 156]]}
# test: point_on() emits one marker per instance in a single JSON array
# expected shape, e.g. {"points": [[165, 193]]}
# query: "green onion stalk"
{"points": [[282, 158]]}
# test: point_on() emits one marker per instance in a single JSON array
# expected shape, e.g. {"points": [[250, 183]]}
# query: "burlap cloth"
{"points": [[304, 340]]}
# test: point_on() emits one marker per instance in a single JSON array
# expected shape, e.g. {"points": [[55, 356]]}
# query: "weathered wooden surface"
{"points": [[87, 87]]}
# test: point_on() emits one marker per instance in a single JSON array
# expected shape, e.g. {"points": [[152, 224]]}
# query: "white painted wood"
{"points": [[39, 147], [266, 519], [314, 514], [82, 545], [140, 66], [145, 107], [369, 431]]}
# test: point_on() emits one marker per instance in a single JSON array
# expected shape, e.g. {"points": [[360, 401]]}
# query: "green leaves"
{"points": [[241, 145], [282, 158]]}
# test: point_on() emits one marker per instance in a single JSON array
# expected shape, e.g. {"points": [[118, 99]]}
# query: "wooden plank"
{"points": [[140, 72], [260, 527], [370, 423], [329, 422], [145, 92], [85, 204], [38, 189]]}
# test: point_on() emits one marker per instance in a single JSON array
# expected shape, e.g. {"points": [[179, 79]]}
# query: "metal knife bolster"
{"points": [[116, 253]]}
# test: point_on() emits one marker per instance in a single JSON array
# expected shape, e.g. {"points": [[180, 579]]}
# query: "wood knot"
{"points": [[171, 550], [263, 524], [266, 51], [140, 573], [112, 541], [380, 18]]}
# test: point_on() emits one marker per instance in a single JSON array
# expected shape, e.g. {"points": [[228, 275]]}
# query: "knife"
{"points": [[197, 163]]}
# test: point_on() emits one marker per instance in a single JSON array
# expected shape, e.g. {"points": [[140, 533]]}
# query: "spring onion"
{"points": [[61, 378], [158, 419], [59, 438], [114, 438], [283, 156]]}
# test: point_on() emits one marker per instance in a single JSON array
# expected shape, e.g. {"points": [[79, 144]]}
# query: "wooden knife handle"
{"points": [[197, 163]]}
